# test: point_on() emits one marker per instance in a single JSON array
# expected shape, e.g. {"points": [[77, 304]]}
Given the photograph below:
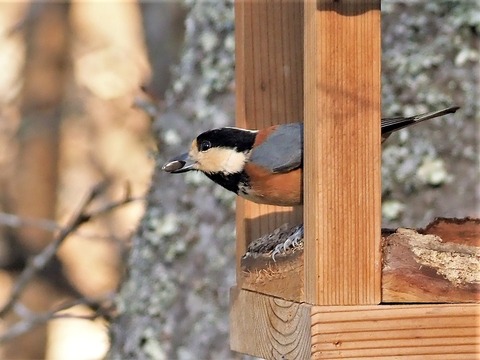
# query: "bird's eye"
{"points": [[205, 145]]}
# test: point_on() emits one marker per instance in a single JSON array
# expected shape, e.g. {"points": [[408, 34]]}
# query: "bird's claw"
{"points": [[292, 241]]}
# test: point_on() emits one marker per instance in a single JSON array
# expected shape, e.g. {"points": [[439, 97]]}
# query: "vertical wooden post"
{"points": [[342, 263], [342, 152], [269, 91]]}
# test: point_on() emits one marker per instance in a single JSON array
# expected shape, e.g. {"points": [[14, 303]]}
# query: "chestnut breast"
{"points": [[282, 189]]}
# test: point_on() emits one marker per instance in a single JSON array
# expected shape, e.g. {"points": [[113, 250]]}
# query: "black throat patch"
{"points": [[231, 182]]}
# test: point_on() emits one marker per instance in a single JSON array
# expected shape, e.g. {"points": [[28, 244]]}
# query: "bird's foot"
{"points": [[294, 239]]}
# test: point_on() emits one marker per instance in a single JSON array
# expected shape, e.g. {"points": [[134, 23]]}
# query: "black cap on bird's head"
{"points": [[223, 151]]}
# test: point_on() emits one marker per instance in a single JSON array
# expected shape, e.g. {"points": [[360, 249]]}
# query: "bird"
{"points": [[264, 166]]}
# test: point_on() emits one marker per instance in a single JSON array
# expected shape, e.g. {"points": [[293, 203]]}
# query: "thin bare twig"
{"points": [[16, 221], [38, 262], [32, 320]]}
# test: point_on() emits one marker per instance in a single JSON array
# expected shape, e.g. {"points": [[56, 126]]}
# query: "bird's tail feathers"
{"points": [[434, 114], [392, 124]]}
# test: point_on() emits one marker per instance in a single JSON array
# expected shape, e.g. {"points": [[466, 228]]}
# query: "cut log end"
{"points": [[440, 263]]}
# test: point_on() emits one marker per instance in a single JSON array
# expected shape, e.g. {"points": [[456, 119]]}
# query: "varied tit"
{"points": [[264, 166]]}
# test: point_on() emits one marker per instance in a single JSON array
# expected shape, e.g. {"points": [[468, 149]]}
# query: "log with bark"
{"points": [[440, 263]]}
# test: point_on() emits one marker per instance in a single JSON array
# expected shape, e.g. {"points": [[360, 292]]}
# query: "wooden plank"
{"points": [[342, 152], [268, 327], [272, 328], [438, 264], [438, 331], [269, 90]]}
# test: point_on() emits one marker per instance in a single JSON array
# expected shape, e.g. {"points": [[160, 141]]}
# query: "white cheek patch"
{"points": [[221, 160], [234, 162]]}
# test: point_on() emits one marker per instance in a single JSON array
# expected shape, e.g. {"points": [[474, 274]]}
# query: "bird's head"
{"points": [[220, 151]]}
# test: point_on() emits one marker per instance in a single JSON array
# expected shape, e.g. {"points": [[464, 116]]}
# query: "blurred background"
{"points": [[70, 76], [107, 91]]}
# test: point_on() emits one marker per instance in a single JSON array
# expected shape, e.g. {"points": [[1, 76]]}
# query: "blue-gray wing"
{"points": [[282, 150]]}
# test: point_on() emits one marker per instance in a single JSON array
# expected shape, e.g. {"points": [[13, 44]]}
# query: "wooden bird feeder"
{"points": [[353, 292]]}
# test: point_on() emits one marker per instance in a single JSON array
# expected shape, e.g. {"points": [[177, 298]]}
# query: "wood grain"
{"points": [[342, 152], [269, 91], [271, 328], [268, 327], [435, 331]]}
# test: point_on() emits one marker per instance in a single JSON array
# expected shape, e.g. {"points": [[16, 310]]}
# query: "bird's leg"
{"points": [[294, 239]]}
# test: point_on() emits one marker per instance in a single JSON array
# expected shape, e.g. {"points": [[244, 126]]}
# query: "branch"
{"points": [[16, 221], [103, 307], [39, 261]]}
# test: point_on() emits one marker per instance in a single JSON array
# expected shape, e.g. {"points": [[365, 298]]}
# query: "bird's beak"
{"points": [[179, 164]]}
